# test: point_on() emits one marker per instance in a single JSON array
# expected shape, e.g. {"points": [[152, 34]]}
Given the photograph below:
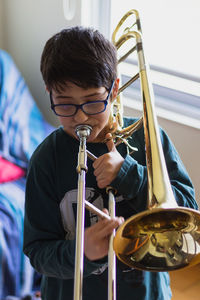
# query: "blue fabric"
{"points": [[12, 261], [22, 128]]}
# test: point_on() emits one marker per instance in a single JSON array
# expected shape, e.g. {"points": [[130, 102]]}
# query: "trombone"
{"points": [[83, 132], [164, 237]]}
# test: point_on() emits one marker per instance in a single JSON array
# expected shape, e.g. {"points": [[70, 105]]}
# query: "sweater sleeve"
{"points": [[44, 237], [131, 180]]}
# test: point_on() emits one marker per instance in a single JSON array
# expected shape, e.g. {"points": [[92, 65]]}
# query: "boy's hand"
{"points": [[96, 238], [107, 166]]}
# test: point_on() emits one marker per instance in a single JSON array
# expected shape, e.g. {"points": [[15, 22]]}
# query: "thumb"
{"points": [[110, 143]]}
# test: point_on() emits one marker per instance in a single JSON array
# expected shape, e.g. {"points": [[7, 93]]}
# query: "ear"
{"points": [[46, 88], [115, 89]]}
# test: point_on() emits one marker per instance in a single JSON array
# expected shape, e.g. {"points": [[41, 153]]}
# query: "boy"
{"points": [[79, 68]]}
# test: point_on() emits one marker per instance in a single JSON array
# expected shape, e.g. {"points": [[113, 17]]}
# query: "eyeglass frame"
{"points": [[79, 106]]}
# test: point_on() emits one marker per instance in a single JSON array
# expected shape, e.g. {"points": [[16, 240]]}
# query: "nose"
{"points": [[80, 116]]}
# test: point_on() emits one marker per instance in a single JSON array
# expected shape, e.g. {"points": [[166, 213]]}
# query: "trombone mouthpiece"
{"points": [[83, 131]]}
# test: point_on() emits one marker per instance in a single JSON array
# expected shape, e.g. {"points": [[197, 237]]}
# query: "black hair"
{"points": [[79, 55]]}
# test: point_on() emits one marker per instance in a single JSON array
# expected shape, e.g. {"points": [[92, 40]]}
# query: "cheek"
{"points": [[65, 122], [103, 120], [107, 112]]}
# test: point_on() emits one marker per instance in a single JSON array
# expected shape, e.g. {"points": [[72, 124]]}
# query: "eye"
{"points": [[65, 106]]}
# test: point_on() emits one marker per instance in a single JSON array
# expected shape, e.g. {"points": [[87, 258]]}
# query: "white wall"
{"points": [[27, 24], [1, 24], [187, 141]]}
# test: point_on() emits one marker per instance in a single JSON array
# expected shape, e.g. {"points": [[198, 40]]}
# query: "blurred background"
{"points": [[171, 46], [170, 30]]}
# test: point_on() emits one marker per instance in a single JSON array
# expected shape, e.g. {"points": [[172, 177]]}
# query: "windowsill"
{"points": [[176, 98], [163, 113], [166, 78]]}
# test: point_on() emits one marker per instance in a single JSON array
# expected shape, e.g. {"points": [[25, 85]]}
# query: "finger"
{"points": [[105, 211], [103, 182], [98, 161], [108, 226], [110, 143], [99, 169]]}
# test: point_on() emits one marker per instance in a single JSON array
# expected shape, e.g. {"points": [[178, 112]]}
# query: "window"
{"points": [[170, 33]]}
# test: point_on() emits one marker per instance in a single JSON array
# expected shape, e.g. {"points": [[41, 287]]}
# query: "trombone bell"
{"points": [[165, 237], [159, 239]]}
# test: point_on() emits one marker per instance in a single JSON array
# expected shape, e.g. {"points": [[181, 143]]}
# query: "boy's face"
{"points": [[73, 94]]}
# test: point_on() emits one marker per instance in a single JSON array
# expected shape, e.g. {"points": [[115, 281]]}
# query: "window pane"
{"points": [[170, 30]]}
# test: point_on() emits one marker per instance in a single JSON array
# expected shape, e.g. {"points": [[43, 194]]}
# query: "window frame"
{"points": [[172, 102]]}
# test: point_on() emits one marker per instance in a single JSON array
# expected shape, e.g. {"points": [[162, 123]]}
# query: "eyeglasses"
{"points": [[89, 108]]}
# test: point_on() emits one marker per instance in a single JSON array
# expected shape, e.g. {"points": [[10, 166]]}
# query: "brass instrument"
{"points": [[116, 116], [83, 132], [164, 237]]}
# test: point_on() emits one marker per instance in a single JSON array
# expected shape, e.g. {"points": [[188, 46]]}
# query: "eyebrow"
{"points": [[86, 96], [94, 94]]}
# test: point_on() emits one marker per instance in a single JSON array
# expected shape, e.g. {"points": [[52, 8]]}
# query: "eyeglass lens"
{"points": [[88, 108]]}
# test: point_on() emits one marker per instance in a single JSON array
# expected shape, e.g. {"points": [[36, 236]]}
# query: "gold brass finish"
{"points": [[159, 239], [120, 134], [165, 237]]}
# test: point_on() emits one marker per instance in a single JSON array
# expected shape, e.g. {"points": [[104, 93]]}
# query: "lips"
{"points": [[82, 124]]}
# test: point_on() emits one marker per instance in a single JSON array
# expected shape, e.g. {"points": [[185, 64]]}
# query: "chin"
{"points": [[92, 139], [96, 138]]}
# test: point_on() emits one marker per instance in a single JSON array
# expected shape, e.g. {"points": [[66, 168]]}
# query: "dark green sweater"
{"points": [[49, 230]]}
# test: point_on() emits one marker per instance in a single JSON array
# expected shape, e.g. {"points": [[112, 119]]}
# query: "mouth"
{"points": [[83, 131], [94, 136]]}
